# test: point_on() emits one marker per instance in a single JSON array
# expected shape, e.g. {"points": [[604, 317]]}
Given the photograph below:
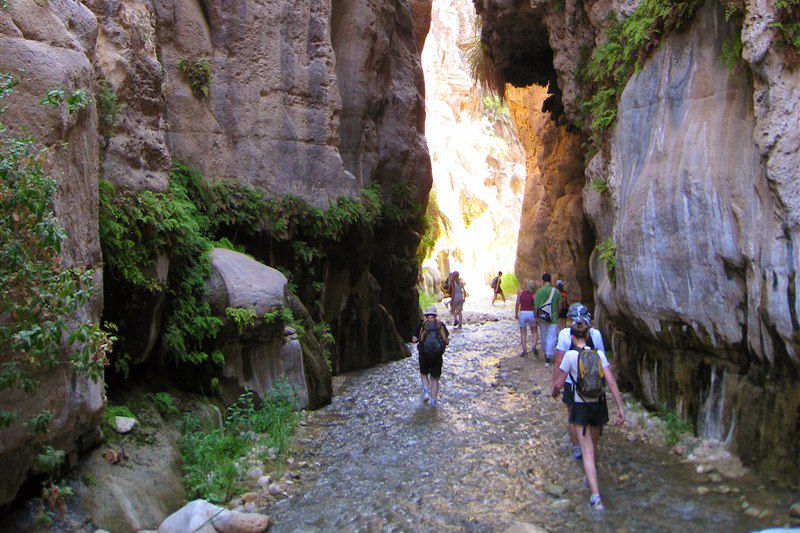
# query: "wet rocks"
{"points": [[554, 490], [200, 516]]}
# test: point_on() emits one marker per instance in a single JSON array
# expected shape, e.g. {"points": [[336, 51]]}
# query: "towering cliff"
{"points": [[478, 169], [311, 100], [691, 193]]}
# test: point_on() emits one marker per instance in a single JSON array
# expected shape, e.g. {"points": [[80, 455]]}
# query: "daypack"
{"points": [[546, 310], [431, 338], [447, 287], [493, 284], [589, 383]]}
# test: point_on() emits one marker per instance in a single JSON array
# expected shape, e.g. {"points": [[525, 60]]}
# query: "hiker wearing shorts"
{"points": [[497, 287], [526, 317], [589, 369], [581, 321], [433, 338], [546, 304], [457, 302]]}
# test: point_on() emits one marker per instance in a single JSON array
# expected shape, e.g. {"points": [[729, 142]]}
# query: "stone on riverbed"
{"points": [[200, 516], [794, 510]]}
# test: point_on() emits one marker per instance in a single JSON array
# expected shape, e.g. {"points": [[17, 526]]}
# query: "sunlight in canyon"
{"points": [[478, 162]]}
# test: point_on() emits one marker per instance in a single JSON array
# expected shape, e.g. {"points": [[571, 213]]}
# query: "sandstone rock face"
{"points": [[45, 52], [271, 116], [702, 207], [554, 235]]}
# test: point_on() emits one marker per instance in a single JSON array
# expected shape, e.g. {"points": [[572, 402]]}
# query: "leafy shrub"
{"points": [[495, 107], [244, 318], [426, 300], [481, 66], [214, 460], [41, 301], [198, 74], [600, 185], [509, 283], [630, 42], [164, 404], [607, 254], [674, 425], [107, 106], [788, 29]]}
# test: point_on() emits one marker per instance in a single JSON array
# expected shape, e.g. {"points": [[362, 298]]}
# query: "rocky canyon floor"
{"points": [[494, 453]]}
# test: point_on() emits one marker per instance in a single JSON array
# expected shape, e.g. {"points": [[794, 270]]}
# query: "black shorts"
{"points": [[568, 396], [592, 414], [430, 365]]}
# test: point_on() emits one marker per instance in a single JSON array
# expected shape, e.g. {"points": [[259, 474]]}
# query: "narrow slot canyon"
{"points": [[224, 223]]}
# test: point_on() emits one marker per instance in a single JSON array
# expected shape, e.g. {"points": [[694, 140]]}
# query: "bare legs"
{"points": [[588, 443], [523, 334], [434, 389]]}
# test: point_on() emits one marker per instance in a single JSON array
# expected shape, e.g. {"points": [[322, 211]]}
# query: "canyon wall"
{"points": [[477, 158], [285, 98], [695, 194]]}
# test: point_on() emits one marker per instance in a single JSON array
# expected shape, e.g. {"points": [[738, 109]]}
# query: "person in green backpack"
{"points": [[589, 370]]}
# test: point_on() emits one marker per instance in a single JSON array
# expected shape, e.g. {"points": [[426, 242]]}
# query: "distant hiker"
{"points": [[589, 369], [526, 317], [497, 287], [568, 338], [433, 338], [457, 302], [563, 305], [546, 304], [447, 290]]}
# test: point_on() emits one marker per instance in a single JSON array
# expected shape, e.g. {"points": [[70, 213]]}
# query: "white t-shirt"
{"points": [[565, 342], [570, 365]]}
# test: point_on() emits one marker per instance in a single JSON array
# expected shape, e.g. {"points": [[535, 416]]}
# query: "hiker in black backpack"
{"points": [[433, 338], [497, 287], [589, 370]]}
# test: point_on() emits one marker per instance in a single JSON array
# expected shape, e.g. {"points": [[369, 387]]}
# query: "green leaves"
{"points": [[607, 254], [198, 74]]}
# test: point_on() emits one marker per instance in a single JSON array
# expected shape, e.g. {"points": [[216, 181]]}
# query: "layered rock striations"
{"points": [[695, 197], [286, 99]]}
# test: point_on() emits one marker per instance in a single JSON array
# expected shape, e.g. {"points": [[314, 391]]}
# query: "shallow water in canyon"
{"points": [[491, 454]]}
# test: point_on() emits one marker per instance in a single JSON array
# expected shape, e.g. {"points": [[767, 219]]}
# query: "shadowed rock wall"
{"points": [[283, 114]]}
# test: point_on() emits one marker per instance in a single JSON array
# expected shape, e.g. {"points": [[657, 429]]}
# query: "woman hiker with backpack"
{"points": [[497, 287], [588, 369], [433, 338]]}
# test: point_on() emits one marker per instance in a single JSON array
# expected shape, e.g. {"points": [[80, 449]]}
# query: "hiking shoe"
{"points": [[433, 402], [524, 353], [596, 504], [425, 395], [536, 351], [547, 363], [576, 453]]}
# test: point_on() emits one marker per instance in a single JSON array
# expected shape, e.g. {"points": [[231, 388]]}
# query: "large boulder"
{"points": [[45, 51], [264, 354]]}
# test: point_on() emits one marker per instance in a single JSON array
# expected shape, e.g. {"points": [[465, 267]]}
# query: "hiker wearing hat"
{"points": [[432, 337], [589, 371], [568, 339]]}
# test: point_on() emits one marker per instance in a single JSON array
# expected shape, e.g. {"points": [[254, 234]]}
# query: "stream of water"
{"points": [[493, 453]]}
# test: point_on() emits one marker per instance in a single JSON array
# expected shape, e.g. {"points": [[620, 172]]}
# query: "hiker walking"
{"points": [[526, 317], [589, 370], [458, 299], [433, 338], [546, 303], [563, 305], [497, 287], [581, 328]]}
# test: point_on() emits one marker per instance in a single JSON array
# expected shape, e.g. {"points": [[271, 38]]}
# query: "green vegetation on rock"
{"points": [[788, 29], [42, 301], [198, 74], [607, 254], [674, 426], [630, 42], [215, 459]]}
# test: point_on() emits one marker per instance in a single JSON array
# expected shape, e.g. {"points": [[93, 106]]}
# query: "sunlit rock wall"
{"points": [[478, 161], [554, 235]]}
